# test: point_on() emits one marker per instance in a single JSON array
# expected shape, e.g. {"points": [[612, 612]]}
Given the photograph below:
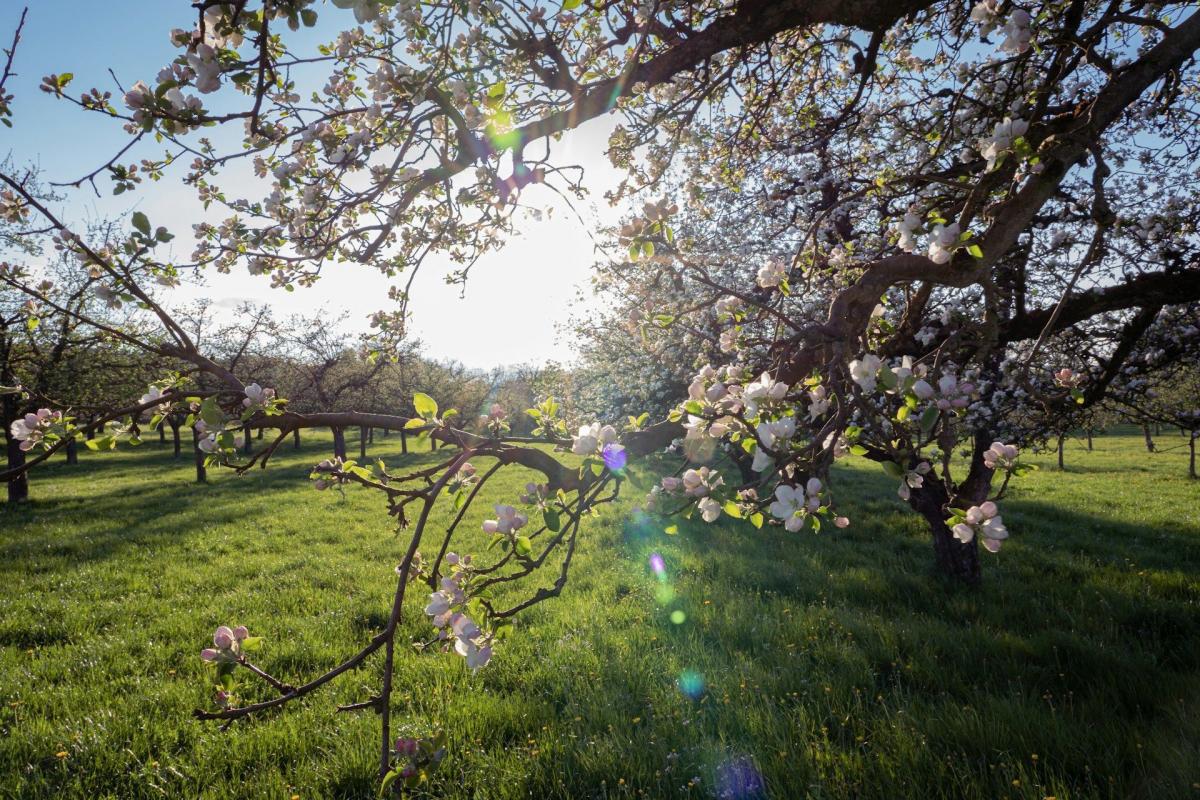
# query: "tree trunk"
{"points": [[247, 439], [18, 485], [259, 435], [1061, 438], [162, 433], [362, 443], [295, 438], [404, 442], [1149, 440], [953, 559], [371, 435], [175, 440], [339, 443], [72, 451], [201, 471], [1192, 454], [1089, 438]]}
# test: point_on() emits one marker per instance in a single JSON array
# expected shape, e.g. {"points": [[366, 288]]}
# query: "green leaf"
{"points": [[733, 509], [415, 422], [210, 412], [251, 643], [523, 546], [425, 405], [929, 419], [571, 5], [387, 782], [975, 250], [902, 413], [892, 468], [858, 450], [497, 538], [141, 222], [551, 518], [671, 530], [756, 519]]}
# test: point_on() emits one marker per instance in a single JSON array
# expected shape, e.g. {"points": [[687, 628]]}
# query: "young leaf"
{"points": [[425, 405], [141, 222]]}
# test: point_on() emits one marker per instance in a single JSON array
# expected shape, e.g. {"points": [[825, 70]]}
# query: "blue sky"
{"points": [[495, 323]]}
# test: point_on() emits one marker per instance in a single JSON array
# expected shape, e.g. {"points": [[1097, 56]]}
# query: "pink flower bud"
{"points": [[223, 638], [240, 632], [842, 522], [208, 654]]}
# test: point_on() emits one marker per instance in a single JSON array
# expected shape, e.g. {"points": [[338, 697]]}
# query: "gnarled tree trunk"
{"points": [[952, 558], [18, 485], [201, 471], [339, 443]]}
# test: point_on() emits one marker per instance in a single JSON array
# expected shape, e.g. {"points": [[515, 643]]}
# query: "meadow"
{"points": [[763, 664]]}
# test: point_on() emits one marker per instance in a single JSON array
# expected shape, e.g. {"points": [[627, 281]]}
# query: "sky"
{"points": [[510, 310]]}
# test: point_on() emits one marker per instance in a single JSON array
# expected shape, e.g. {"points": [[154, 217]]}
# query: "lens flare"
{"points": [[615, 457], [739, 779], [656, 564], [664, 594], [678, 617], [691, 683]]}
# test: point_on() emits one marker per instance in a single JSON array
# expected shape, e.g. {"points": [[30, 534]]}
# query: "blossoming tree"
{"points": [[890, 210]]}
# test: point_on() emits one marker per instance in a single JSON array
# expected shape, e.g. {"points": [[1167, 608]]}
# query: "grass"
{"points": [[830, 666]]}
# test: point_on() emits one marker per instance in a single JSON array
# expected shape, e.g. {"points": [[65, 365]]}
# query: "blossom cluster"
{"points": [[257, 398], [35, 428], [1004, 134], [1000, 456], [447, 610], [795, 504], [328, 473], [694, 483], [227, 644], [599, 440], [508, 520], [982, 520]]}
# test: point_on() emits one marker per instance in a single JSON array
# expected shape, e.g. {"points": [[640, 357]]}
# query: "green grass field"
{"points": [[814, 666]]}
